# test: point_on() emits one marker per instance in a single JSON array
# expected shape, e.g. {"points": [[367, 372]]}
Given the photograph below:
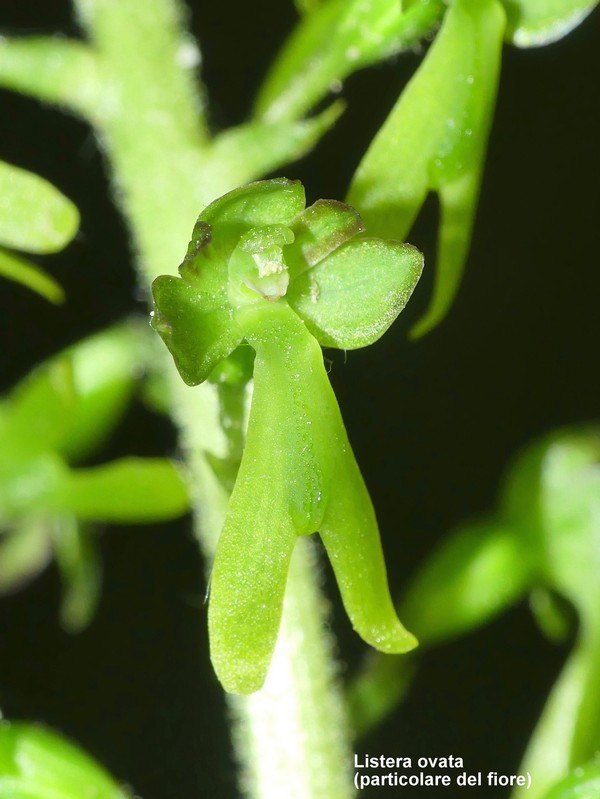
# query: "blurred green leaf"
{"points": [[71, 402], [434, 139], [80, 565], [582, 783], [104, 369], [256, 148], [571, 507], [125, 490], [34, 216], [17, 268], [36, 763], [532, 23], [37, 413], [28, 486], [561, 476], [25, 550], [379, 687], [554, 617], [334, 40], [474, 575], [305, 6]]}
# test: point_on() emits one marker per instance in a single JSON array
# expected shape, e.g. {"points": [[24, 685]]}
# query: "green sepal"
{"points": [[298, 476], [318, 230], [351, 297], [36, 763], [434, 140], [197, 334], [35, 216], [266, 202], [533, 23]]}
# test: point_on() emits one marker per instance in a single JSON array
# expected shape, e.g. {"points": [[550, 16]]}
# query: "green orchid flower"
{"points": [[263, 271]]}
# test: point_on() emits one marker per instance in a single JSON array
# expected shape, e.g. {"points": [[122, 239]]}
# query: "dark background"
{"points": [[433, 423]]}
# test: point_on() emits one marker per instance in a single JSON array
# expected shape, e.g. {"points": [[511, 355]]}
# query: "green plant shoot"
{"points": [[263, 271]]}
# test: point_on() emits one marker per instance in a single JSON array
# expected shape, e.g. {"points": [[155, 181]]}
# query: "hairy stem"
{"points": [[149, 118]]}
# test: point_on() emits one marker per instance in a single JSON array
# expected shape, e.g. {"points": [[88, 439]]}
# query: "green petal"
{"points": [[458, 204], [266, 202], [318, 230], [352, 297], [78, 558], [34, 216]]}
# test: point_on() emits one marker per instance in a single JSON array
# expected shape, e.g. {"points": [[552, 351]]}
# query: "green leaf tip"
{"points": [[285, 279]]}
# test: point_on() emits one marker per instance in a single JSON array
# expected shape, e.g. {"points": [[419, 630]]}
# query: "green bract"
{"points": [[434, 140], [261, 270]]}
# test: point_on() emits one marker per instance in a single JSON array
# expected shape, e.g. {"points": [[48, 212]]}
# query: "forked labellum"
{"points": [[263, 270]]}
